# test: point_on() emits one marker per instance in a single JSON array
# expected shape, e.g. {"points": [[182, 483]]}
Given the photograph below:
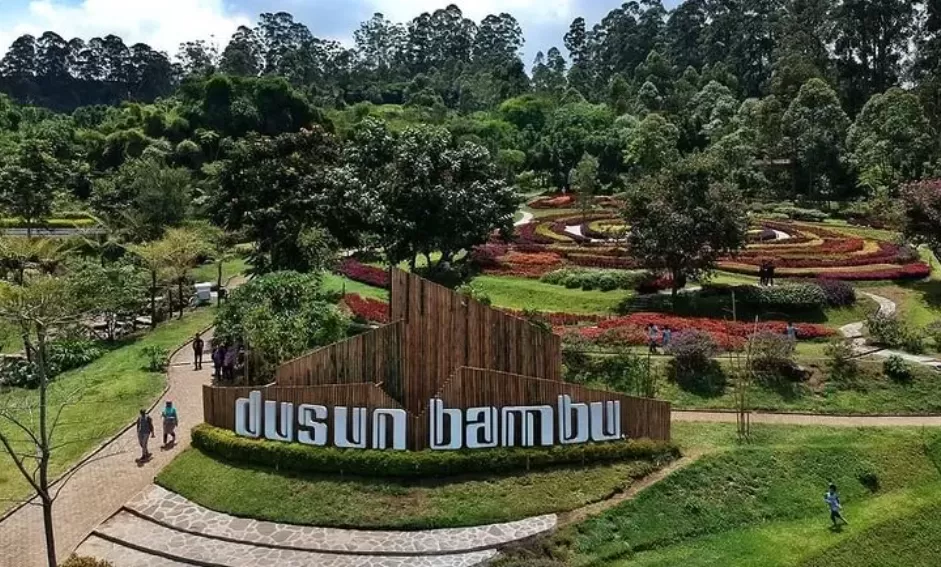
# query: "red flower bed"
{"points": [[553, 202], [367, 309], [737, 329], [370, 275]]}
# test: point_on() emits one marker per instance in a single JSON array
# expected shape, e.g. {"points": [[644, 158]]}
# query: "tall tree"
{"points": [[29, 181], [815, 128], [242, 56], [683, 221]]}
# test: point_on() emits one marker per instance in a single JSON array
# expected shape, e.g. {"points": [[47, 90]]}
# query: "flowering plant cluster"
{"points": [[367, 309], [359, 272]]}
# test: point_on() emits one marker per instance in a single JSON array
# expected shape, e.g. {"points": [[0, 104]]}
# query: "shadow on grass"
{"points": [[930, 292]]}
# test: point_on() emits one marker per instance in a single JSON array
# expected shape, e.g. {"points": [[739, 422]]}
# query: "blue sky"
{"points": [[165, 23]]}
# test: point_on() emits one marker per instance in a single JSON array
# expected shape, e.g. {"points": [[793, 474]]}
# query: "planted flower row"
{"points": [[367, 309], [363, 273]]}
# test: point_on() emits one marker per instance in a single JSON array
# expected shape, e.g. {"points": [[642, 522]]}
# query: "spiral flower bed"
{"points": [[808, 251]]}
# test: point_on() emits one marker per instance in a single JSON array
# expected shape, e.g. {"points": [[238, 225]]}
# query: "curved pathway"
{"points": [[527, 218], [95, 491], [161, 524], [887, 308]]}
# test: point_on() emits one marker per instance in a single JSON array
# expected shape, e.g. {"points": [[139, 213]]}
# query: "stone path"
{"points": [[126, 531], [887, 308], [527, 218], [96, 491], [176, 512]]}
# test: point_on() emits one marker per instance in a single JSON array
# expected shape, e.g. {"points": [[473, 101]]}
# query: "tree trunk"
{"points": [[44, 443], [153, 299], [49, 529], [29, 228], [179, 284], [219, 276]]}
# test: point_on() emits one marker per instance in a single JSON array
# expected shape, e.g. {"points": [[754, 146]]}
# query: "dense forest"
{"points": [[280, 131]]}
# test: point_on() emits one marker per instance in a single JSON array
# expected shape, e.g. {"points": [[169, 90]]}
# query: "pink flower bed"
{"points": [[370, 275]]}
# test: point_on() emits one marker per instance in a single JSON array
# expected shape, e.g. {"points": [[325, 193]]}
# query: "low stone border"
{"points": [[173, 511]]}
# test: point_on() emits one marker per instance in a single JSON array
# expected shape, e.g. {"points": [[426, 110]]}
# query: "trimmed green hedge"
{"points": [[296, 457]]}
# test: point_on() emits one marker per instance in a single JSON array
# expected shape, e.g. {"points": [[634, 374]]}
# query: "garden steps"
{"points": [[130, 540], [171, 510]]}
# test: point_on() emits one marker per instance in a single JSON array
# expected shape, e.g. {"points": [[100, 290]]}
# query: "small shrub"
{"points": [[797, 213], [18, 373], [837, 292], [933, 330], [627, 373], [773, 358], [693, 367], [156, 358], [897, 370], [869, 479], [841, 363], [475, 293], [889, 331], [76, 561], [66, 354]]}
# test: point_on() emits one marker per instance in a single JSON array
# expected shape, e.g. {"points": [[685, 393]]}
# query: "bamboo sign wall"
{"points": [[447, 373]]}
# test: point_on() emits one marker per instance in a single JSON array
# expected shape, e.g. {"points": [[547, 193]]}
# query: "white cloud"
{"points": [[529, 11], [162, 24]]}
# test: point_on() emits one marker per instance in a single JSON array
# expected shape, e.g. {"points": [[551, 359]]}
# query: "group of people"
{"points": [[655, 336], [766, 273], [146, 430], [226, 359]]}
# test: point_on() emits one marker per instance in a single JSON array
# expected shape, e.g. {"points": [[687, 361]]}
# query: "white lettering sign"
{"points": [[450, 429]]}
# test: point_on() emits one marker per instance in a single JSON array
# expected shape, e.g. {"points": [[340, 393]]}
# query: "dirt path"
{"points": [[96, 491], [585, 512], [812, 419]]}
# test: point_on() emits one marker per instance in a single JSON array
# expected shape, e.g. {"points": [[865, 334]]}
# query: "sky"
{"points": [[164, 24]]}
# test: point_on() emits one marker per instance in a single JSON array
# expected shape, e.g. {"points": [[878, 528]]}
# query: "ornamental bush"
{"points": [[790, 296], [693, 367], [897, 369], [296, 457], [593, 278], [842, 366], [773, 358], [76, 561], [838, 293], [891, 332]]}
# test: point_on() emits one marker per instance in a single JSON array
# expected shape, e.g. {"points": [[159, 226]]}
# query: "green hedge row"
{"points": [[295, 457], [50, 223]]}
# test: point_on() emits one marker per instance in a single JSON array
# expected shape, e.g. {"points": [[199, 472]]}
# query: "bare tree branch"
{"points": [[19, 463]]}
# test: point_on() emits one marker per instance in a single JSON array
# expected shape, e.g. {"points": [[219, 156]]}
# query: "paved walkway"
{"points": [[887, 308], [527, 218], [159, 526], [96, 491]]}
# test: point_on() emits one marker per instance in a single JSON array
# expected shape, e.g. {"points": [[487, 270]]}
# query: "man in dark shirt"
{"points": [[198, 352]]}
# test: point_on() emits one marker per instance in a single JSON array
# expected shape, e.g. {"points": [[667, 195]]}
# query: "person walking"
{"points": [[832, 499], [667, 337], [763, 273], [770, 274], [228, 363], [170, 421], [652, 334], [791, 331], [145, 432], [198, 352], [218, 357]]}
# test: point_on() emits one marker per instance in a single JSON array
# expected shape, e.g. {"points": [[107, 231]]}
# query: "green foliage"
{"points": [[783, 298], [592, 278], [933, 330], [278, 316], [897, 369], [409, 464], [693, 367], [474, 292], [842, 365], [625, 373], [772, 358], [156, 358], [891, 332], [67, 354]]}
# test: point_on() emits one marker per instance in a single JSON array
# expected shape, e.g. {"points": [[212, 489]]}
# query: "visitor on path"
{"points": [[218, 357], [763, 273], [791, 331], [833, 500], [145, 432], [652, 334], [228, 363], [770, 274], [170, 420], [667, 337], [198, 352]]}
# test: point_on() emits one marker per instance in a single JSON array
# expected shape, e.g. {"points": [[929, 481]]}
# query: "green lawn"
{"points": [[761, 504], [210, 272], [335, 283], [365, 503], [114, 388], [522, 293]]}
